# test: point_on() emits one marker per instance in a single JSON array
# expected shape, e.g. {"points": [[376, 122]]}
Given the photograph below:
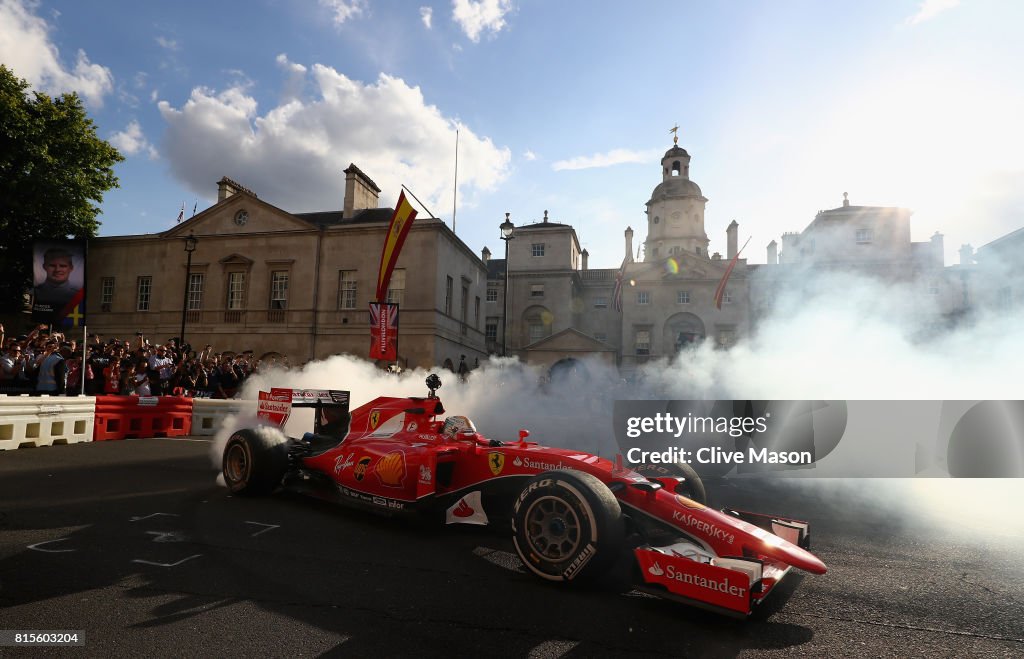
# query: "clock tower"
{"points": [[675, 212]]}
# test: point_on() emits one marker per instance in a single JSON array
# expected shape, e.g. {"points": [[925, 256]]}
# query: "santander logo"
{"points": [[656, 570], [463, 510]]}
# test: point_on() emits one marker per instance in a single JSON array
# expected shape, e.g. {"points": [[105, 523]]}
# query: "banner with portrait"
{"points": [[58, 271]]}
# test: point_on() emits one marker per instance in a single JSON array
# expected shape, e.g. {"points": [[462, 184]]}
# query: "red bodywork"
{"points": [[395, 457]]}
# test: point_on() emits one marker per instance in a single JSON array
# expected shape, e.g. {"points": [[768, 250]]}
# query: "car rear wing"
{"points": [[276, 405]]}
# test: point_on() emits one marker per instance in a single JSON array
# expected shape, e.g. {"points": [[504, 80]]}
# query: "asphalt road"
{"points": [[135, 543]]}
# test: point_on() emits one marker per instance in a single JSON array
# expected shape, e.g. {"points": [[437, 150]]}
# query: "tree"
{"points": [[53, 173]]}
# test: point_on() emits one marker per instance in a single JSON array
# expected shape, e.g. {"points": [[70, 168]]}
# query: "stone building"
{"points": [[559, 309], [264, 279]]}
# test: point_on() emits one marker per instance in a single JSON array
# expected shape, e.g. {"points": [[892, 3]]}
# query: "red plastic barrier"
{"points": [[133, 417]]}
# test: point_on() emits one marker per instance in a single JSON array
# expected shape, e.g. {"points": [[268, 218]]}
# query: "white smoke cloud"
{"points": [[929, 9], [26, 48], [344, 10], [427, 16], [293, 155]]}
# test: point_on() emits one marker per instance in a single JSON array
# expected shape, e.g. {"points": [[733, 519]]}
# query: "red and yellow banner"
{"points": [[384, 331], [401, 222]]}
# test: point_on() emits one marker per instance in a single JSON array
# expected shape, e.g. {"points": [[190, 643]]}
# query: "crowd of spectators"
{"points": [[46, 363]]}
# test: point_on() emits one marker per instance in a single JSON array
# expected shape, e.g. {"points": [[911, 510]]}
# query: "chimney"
{"points": [[629, 244], [585, 254], [731, 234], [966, 255], [545, 217], [486, 254], [773, 253], [846, 200], [938, 248], [226, 187], [360, 191]]}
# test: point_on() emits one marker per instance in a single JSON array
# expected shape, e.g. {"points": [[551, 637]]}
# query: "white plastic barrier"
{"points": [[45, 420], [208, 414]]}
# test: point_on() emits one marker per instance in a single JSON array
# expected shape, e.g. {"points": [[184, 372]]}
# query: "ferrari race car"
{"points": [[573, 515]]}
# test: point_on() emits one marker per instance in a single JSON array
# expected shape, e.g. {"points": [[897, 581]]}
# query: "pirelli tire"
{"points": [[567, 525], [254, 462], [692, 487]]}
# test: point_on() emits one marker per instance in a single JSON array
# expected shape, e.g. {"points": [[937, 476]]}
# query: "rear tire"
{"points": [[691, 488], [567, 525], [254, 463]]}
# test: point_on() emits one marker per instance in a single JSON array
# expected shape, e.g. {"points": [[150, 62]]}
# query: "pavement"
{"points": [[134, 543]]}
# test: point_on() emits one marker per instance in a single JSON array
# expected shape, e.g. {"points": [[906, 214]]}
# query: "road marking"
{"points": [[36, 546], [139, 519], [138, 560], [270, 527], [165, 536], [552, 649], [504, 559]]}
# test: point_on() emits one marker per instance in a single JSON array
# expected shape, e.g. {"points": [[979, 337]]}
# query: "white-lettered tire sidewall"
{"points": [[599, 521]]}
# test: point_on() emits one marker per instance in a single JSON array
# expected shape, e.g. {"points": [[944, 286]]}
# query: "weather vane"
{"points": [[675, 134]]}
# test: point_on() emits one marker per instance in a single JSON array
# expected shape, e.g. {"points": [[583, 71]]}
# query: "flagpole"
{"points": [[455, 191], [432, 216]]}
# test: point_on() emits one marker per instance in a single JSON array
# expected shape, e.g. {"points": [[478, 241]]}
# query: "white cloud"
{"points": [[345, 9], [25, 47], [167, 44], [478, 16], [929, 9], [426, 15], [529, 155], [613, 157], [131, 141], [293, 155]]}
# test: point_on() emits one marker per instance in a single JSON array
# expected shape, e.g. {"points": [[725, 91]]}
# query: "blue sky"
{"points": [[561, 106]]}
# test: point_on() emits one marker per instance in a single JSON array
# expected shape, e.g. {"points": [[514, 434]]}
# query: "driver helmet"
{"points": [[453, 425]]}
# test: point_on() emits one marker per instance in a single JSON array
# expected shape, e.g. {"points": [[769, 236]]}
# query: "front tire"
{"points": [[254, 462], [567, 525]]}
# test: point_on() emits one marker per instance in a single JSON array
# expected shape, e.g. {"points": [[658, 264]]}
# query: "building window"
{"points": [[727, 297], [600, 336], [106, 293], [145, 288], [600, 303], [278, 290], [347, 289], [536, 332], [491, 329], [726, 337], [698, 251], [643, 297], [464, 308], [643, 342], [448, 288], [682, 297], [863, 236], [476, 312], [536, 290], [236, 290], [195, 291], [538, 249], [492, 294], [654, 252], [396, 288]]}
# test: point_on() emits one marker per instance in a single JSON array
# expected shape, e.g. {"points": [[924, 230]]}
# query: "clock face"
{"points": [[241, 217]]}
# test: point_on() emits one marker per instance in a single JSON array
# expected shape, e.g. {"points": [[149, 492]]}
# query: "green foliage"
{"points": [[53, 173]]}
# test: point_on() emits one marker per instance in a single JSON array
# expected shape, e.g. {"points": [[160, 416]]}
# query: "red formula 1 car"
{"points": [[573, 514]]}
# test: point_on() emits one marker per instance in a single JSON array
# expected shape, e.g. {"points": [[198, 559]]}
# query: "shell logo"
{"points": [[391, 469]]}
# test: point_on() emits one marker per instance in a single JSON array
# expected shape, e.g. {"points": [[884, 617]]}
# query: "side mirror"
{"points": [[523, 434]]}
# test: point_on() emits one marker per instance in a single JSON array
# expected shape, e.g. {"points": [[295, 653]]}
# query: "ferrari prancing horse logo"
{"points": [[496, 461], [374, 419]]}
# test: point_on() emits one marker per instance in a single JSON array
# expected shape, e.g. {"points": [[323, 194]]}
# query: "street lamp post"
{"points": [[506, 234], [190, 246]]}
